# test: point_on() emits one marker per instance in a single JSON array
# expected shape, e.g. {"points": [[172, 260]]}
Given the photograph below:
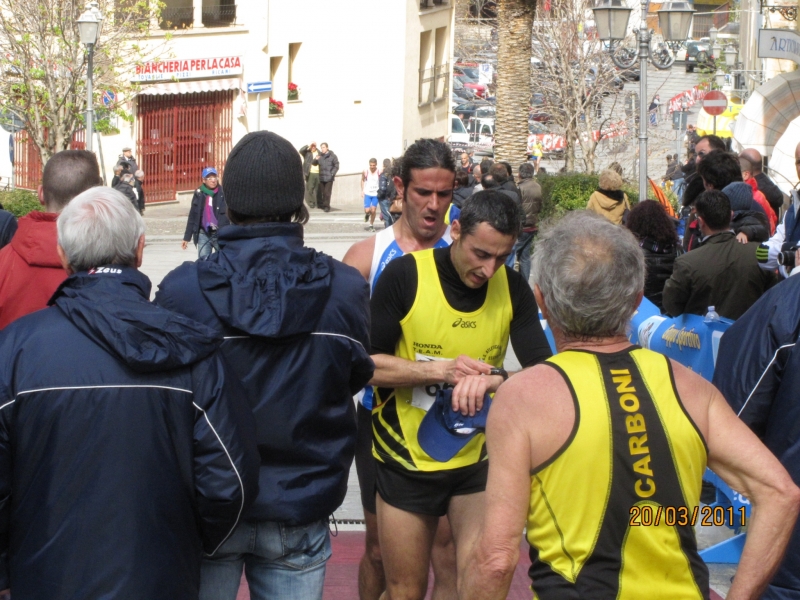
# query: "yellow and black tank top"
{"points": [[633, 446], [433, 330]]}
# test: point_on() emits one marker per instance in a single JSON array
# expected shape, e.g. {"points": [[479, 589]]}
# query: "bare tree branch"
{"points": [[43, 62]]}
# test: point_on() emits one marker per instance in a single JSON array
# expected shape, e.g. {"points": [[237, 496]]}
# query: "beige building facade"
{"points": [[371, 79]]}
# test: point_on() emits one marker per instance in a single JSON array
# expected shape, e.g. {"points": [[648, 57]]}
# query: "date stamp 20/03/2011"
{"points": [[653, 515]]}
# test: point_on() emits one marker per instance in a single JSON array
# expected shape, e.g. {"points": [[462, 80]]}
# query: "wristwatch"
{"points": [[502, 372]]}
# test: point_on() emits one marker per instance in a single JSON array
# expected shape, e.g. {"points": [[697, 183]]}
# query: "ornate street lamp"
{"points": [[89, 24], [611, 19], [731, 55], [675, 19], [719, 78]]}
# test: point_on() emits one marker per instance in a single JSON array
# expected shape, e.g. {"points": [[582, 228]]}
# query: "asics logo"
{"points": [[465, 324]]}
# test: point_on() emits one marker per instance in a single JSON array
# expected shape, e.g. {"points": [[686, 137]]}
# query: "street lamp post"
{"points": [[89, 27], [674, 19]]}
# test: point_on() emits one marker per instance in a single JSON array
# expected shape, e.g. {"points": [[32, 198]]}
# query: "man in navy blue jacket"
{"points": [[296, 329], [758, 372], [126, 448]]}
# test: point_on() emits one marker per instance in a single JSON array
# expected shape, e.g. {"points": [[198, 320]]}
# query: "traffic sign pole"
{"points": [[256, 88], [715, 103]]}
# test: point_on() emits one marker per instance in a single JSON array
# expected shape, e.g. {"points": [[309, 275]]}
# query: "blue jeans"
{"points": [[206, 243], [522, 251], [388, 218], [280, 561], [677, 188]]}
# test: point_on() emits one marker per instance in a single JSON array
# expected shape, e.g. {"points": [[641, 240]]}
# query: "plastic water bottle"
{"points": [[711, 316]]}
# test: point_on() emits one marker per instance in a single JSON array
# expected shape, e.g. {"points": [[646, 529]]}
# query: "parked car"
{"points": [[462, 92], [470, 71], [541, 116], [699, 53], [481, 131], [458, 133], [471, 84], [475, 109]]}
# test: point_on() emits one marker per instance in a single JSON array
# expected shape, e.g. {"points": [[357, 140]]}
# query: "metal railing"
{"points": [[219, 16], [182, 17], [176, 18], [434, 84]]}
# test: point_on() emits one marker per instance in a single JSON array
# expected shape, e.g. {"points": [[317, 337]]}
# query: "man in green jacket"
{"points": [[722, 272]]}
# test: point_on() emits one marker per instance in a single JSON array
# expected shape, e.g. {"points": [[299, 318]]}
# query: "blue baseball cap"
{"points": [[444, 432], [209, 171]]}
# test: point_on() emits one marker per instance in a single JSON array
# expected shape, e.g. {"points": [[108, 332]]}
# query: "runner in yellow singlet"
{"points": [[600, 451], [442, 318]]}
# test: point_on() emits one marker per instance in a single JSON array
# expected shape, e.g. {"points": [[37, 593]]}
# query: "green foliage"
{"points": [[563, 193], [20, 202]]}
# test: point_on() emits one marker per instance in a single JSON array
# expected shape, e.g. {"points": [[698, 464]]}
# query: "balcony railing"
{"points": [[219, 16], [182, 17], [423, 4], [176, 18], [434, 84]]}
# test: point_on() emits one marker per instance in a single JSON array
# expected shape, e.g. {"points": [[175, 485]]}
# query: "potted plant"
{"points": [[275, 107], [294, 91]]}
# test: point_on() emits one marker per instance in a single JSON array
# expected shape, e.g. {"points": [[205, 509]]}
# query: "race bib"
{"points": [[424, 396]]}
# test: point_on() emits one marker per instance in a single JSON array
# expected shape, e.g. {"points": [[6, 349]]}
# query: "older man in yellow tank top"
{"points": [[605, 431]]}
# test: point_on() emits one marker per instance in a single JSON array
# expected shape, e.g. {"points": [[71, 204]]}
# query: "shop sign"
{"points": [[779, 43], [179, 69]]}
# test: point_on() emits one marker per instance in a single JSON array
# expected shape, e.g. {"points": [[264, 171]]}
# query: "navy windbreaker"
{"points": [[126, 449], [758, 372], [296, 328]]}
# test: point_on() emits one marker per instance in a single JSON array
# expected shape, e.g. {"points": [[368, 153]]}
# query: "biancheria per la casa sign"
{"points": [[188, 68]]}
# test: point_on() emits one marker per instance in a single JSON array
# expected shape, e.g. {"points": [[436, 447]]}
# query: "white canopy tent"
{"points": [[781, 162], [768, 112]]}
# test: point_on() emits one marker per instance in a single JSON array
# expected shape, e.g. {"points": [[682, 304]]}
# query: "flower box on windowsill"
{"points": [[275, 108]]}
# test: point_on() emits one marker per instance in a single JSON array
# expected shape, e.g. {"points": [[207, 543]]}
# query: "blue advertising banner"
{"points": [[687, 339]]}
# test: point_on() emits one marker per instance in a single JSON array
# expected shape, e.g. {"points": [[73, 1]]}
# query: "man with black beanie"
{"points": [[296, 329]]}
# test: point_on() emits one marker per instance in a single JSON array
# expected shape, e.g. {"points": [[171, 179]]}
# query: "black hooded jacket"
{"points": [[126, 449], [296, 328]]}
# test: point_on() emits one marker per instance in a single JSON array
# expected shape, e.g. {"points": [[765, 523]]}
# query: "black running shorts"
{"points": [[428, 493]]}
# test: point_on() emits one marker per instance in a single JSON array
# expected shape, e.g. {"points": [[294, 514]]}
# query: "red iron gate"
{"points": [[28, 161], [178, 136]]}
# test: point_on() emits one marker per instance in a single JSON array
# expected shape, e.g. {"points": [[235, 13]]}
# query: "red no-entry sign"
{"points": [[715, 103]]}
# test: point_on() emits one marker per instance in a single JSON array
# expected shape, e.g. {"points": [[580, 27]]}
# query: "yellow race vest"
{"points": [[634, 457], [433, 330]]}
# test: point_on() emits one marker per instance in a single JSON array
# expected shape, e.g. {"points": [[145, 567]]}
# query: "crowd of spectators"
{"points": [[217, 423]]}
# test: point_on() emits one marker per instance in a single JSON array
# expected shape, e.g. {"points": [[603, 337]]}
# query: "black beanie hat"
{"points": [[263, 176]]}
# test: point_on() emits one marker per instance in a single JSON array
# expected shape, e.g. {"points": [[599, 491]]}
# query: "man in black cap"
{"points": [[296, 329], [127, 160]]}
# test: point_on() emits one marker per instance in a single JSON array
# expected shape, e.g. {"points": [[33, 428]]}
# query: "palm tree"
{"points": [[514, 30]]}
